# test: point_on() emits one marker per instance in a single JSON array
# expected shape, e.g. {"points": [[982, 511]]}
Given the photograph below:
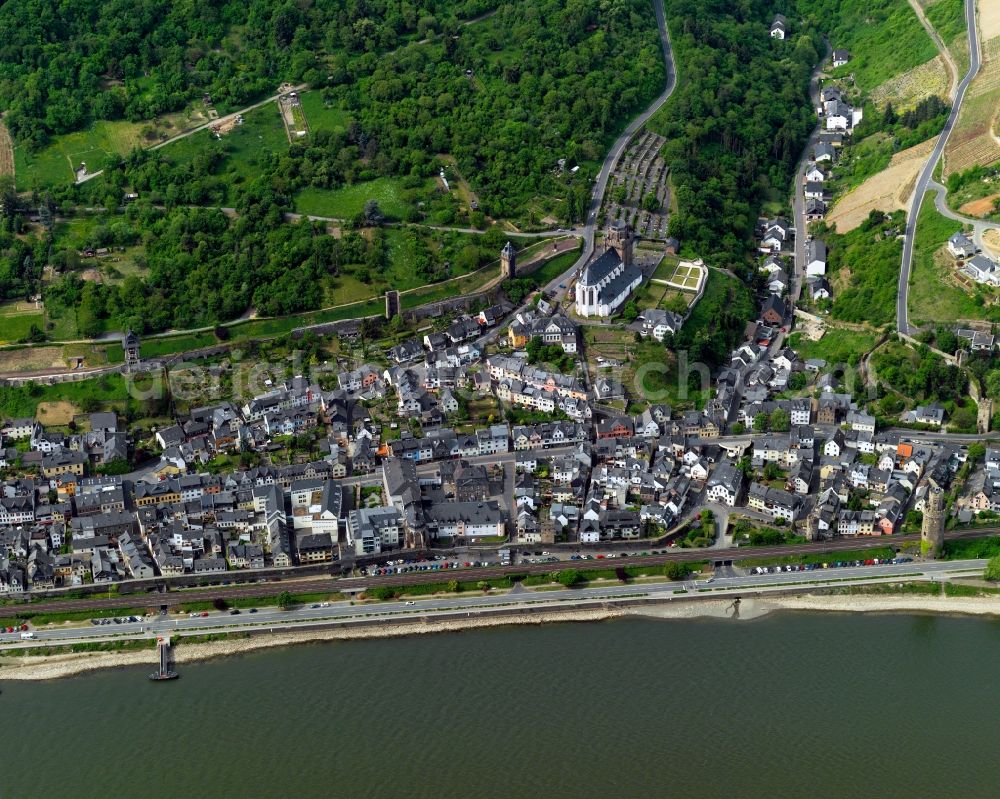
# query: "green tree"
{"points": [[651, 203], [760, 422], [569, 577], [992, 572], [675, 570], [285, 600], [780, 421]]}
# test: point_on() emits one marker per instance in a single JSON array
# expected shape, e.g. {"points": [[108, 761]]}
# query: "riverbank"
{"points": [[41, 667], [50, 667]]}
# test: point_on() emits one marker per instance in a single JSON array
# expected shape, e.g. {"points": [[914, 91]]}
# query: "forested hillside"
{"points": [[737, 122], [400, 90], [63, 64]]}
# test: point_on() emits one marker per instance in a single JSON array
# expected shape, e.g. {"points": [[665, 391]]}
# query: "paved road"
{"points": [[926, 175], [274, 619], [356, 584], [555, 287], [799, 200], [979, 226]]}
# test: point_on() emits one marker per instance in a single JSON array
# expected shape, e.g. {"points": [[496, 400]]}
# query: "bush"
{"points": [[569, 577], [674, 570], [992, 572]]}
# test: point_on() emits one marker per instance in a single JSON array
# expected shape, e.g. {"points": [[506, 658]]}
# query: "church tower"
{"points": [[620, 239], [508, 261], [932, 527]]}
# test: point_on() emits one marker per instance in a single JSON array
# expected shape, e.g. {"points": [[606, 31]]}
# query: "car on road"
{"points": [[234, 612], [409, 602]]}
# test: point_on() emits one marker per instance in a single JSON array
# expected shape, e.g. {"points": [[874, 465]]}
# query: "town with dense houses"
{"points": [[503, 424]]}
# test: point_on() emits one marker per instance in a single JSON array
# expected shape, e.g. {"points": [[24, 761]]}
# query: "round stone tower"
{"points": [[932, 527]]}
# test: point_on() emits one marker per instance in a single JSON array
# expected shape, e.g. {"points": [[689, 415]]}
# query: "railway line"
{"points": [[354, 585]]}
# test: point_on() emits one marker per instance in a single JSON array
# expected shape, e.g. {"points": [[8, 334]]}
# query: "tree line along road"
{"points": [[357, 584]]}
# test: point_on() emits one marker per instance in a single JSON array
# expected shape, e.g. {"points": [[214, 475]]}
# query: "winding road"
{"points": [[925, 178], [622, 141]]}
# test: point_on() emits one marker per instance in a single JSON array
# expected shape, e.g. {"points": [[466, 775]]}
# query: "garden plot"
{"points": [[296, 126], [6, 151], [638, 192], [687, 276]]}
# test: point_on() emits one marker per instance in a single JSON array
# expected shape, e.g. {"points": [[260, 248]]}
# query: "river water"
{"points": [[792, 705]]}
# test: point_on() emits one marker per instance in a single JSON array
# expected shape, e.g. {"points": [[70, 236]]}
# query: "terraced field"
{"points": [[974, 141], [908, 88], [889, 190]]}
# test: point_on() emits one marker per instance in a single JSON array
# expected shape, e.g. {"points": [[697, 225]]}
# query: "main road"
{"points": [[926, 175], [514, 602]]}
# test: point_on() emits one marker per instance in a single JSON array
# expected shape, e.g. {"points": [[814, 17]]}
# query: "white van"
{"points": [[27, 636]]}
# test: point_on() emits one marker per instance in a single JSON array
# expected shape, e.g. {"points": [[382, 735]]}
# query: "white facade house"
{"points": [[961, 246], [815, 258], [983, 270]]}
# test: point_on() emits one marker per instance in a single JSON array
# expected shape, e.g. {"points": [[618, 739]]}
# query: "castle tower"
{"points": [[131, 346], [391, 303], [508, 261], [932, 527], [620, 239], [812, 528]]}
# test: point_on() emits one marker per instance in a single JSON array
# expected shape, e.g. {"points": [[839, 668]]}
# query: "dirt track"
{"points": [[6, 151]]}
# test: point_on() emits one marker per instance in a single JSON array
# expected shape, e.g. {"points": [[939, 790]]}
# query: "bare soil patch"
{"points": [[979, 207], [30, 359], [6, 151], [889, 190], [56, 412], [989, 19], [991, 240]]}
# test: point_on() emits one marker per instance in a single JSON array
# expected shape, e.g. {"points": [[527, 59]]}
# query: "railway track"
{"points": [[156, 599]]}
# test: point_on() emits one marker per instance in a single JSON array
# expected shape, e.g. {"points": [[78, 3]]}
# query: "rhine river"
{"points": [[785, 706]]}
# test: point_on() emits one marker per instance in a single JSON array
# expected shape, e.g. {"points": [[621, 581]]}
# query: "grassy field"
{"points": [[54, 163], [934, 294], [319, 115], [261, 134], [16, 319], [554, 267], [23, 400], [885, 38], [947, 17], [348, 202], [666, 267], [838, 345]]}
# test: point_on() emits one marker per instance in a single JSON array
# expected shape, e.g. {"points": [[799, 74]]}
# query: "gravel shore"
{"points": [[52, 667], [66, 665]]}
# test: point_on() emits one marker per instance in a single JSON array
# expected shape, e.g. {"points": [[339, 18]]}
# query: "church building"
{"points": [[605, 282]]}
